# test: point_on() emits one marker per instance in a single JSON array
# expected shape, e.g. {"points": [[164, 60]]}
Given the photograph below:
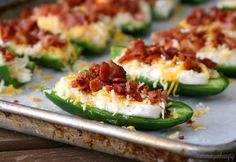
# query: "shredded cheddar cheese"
{"points": [[35, 99], [47, 78], [197, 126], [174, 135], [11, 90]]}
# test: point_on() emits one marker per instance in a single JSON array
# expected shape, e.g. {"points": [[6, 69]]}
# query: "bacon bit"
{"points": [[192, 64], [34, 99], [190, 122], [209, 63], [7, 55], [157, 96], [47, 78], [181, 137], [113, 77], [104, 72], [95, 85]]}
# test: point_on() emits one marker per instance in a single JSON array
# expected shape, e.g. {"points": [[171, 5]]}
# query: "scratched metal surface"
{"points": [[219, 122]]}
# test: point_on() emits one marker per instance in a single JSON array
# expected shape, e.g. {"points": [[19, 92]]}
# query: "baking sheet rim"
{"points": [[181, 148]]}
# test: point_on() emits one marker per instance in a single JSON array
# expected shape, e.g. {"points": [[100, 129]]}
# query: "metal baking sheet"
{"points": [[216, 120]]}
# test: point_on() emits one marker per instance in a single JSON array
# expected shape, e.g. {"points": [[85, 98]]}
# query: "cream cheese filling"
{"points": [[108, 101]]}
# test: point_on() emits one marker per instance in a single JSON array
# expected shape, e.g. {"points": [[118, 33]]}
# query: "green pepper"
{"points": [[136, 30], [229, 71], [213, 87], [88, 48], [193, 2], [184, 114], [5, 75]]}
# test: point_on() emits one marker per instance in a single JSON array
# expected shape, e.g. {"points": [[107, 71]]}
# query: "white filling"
{"points": [[226, 3], [109, 101], [37, 51], [220, 55], [122, 19], [97, 33], [158, 72], [192, 77], [163, 8], [18, 68]]}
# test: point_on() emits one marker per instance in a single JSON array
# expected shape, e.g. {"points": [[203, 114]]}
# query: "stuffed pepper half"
{"points": [[162, 9], [14, 70], [210, 34], [103, 93], [132, 17], [46, 49], [82, 28], [179, 72]]}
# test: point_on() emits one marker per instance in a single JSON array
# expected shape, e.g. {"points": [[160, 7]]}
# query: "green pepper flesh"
{"points": [[184, 112]]}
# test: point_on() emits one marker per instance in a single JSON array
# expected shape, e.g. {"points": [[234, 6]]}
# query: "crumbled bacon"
{"points": [[201, 16], [7, 55], [210, 64], [113, 77], [25, 31], [147, 53], [191, 39], [95, 85], [220, 38], [155, 96], [191, 64]]}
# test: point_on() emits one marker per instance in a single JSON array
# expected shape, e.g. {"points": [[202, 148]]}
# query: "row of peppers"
{"points": [[185, 112]]}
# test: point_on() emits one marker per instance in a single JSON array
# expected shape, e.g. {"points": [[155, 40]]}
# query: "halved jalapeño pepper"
{"points": [[227, 70], [103, 93], [212, 87], [41, 46], [193, 2], [184, 114]]}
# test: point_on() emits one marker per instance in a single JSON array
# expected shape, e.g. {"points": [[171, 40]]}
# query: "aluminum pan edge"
{"points": [[181, 148]]}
